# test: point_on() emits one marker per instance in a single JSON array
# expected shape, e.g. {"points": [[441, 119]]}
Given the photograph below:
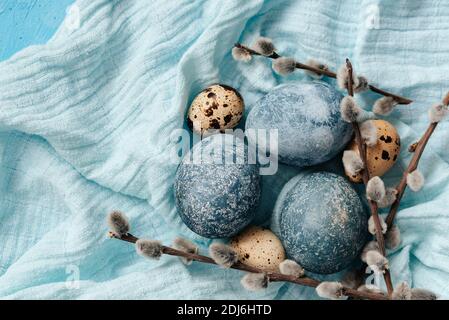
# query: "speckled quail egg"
{"points": [[259, 247], [216, 107], [381, 157]]}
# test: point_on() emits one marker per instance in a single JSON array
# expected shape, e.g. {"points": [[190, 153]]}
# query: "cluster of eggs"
{"points": [[216, 199]]}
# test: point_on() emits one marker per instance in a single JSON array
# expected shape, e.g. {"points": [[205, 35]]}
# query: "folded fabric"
{"points": [[88, 124]]}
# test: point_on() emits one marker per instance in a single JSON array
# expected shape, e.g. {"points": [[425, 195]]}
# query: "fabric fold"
{"points": [[88, 124]]}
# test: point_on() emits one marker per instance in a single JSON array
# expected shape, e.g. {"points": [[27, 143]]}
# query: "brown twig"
{"points": [[366, 176], [329, 73], [397, 98], [418, 149], [272, 276], [254, 52]]}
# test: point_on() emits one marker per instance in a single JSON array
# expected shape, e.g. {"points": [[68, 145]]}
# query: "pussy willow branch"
{"points": [[366, 176], [418, 149], [272, 276], [331, 74]]}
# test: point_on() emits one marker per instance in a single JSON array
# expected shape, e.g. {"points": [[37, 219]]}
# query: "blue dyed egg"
{"points": [[321, 221], [307, 116], [217, 194]]}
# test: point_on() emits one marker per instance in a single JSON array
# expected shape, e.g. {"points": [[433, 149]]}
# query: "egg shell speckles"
{"points": [[321, 221], [259, 247], [216, 107], [217, 197], [383, 155], [308, 119]]}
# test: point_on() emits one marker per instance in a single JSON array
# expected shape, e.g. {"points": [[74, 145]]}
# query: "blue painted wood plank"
{"points": [[27, 22]]}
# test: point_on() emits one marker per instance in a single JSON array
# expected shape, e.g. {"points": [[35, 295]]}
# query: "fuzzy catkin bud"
{"points": [[291, 268], [186, 246], [402, 292], [368, 131], [422, 294], [352, 162], [389, 198], [350, 111], [254, 281], [118, 223], [415, 180], [376, 261], [151, 249], [437, 113], [240, 54], [284, 65], [223, 255], [343, 78], [362, 84], [330, 290], [384, 106], [264, 46], [375, 189], [370, 246]]}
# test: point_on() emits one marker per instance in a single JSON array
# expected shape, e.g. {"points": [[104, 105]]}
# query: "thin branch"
{"points": [[398, 99], [272, 276], [254, 52], [326, 72], [418, 151], [366, 176], [350, 77], [329, 73]]}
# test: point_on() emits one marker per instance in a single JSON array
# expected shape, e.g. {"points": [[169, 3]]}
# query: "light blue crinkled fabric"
{"points": [[87, 122]]}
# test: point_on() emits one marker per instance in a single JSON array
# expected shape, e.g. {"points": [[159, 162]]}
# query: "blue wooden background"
{"points": [[27, 22]]}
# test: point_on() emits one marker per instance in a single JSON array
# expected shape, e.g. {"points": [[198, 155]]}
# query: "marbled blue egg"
{"points": [[217, 195], [307, 116], [321, 221]]}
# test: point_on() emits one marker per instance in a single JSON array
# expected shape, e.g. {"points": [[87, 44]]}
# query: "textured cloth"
{"points": [[87, 119]]}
